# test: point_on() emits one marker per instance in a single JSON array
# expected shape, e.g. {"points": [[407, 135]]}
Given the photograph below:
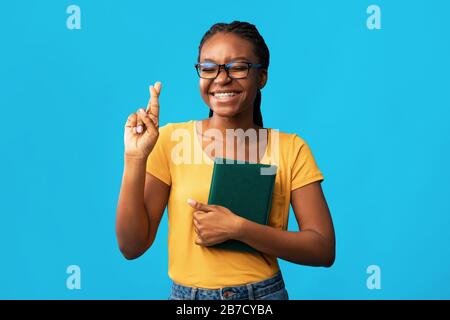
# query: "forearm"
{"points": [[132, 225], [306, 247]]}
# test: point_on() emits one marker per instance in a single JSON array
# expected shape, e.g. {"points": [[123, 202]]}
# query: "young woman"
{"points": [[161, 170]]}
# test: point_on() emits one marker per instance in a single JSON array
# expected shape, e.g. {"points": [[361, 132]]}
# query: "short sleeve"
{"points": [[157, 162], [304, 169]]}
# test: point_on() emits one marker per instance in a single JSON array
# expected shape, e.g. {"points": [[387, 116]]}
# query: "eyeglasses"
{"points": [[234, 70]]}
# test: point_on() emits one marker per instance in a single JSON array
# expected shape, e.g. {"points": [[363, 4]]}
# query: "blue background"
{"points": [[372, 104]]}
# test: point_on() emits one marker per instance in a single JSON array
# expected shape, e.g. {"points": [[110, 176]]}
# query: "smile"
{"points": [[224, 95]]}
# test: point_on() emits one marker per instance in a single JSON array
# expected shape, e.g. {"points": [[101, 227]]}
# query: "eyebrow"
{"points": [[233, 59]]}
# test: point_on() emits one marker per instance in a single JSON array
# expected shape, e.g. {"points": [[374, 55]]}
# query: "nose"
{"points": [[222, 77]]}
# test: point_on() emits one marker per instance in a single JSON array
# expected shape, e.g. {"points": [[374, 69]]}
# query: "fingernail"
{"points": [[142, 111], [139, 129], [190, 201]]}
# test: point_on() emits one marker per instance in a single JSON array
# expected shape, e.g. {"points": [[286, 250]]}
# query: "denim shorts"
{"points": [[269, 289]]}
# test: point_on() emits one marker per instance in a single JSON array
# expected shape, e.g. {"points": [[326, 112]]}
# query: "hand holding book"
{"points": [[214, 224]]}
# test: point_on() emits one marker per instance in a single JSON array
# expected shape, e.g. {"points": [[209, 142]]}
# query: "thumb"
{"points": [[198, 205]]}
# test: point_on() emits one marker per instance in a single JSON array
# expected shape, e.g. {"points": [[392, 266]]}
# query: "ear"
{"points": [[262, 78]]}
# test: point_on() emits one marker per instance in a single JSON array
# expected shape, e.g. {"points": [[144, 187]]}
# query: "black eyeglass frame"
{"points": [[226, 67]]}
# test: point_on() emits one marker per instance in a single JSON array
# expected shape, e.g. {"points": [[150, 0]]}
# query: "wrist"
{"points": [[135, 160], [140, 158], [239, 230]]}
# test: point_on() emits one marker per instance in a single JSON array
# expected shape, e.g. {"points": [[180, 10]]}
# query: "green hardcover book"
{"points": [[244, 188]]}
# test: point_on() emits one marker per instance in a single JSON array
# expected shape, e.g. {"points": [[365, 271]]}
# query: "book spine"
{"points": [[269, 200]]}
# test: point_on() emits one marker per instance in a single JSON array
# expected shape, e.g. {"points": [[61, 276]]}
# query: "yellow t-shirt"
{"points": [[179, 161]]}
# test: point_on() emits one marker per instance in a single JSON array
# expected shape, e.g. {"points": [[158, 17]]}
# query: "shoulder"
{"points": [[287, 140], [176, 125], [167, 129]]}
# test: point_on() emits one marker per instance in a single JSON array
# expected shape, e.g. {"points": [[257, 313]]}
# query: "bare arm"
{"points": [[141, 204], [142, 197], [314, 245]]}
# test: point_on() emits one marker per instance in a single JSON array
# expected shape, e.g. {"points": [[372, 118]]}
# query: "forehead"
{"points": [[224, 46]]}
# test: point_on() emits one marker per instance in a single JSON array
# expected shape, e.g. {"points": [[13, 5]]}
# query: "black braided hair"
{"points": [[249, 32]]}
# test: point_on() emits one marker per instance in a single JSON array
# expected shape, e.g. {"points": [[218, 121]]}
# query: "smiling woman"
{"points": [[232, 67], [245, 57]]}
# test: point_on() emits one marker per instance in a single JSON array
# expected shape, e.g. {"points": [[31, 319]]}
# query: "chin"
{"points": [[224, 110]]}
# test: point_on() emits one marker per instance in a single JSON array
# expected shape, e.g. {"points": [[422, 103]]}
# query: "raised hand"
{"points": [[142, 127]]}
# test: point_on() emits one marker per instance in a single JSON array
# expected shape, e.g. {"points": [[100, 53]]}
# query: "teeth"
{"points": [[224, 94]]}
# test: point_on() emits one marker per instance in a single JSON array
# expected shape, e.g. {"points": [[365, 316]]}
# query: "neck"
{"points": [[242, 121], [223, 124]]}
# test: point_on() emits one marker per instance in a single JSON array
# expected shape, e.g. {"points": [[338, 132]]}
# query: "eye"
{"points": [[208, 67], [238, 68]]}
